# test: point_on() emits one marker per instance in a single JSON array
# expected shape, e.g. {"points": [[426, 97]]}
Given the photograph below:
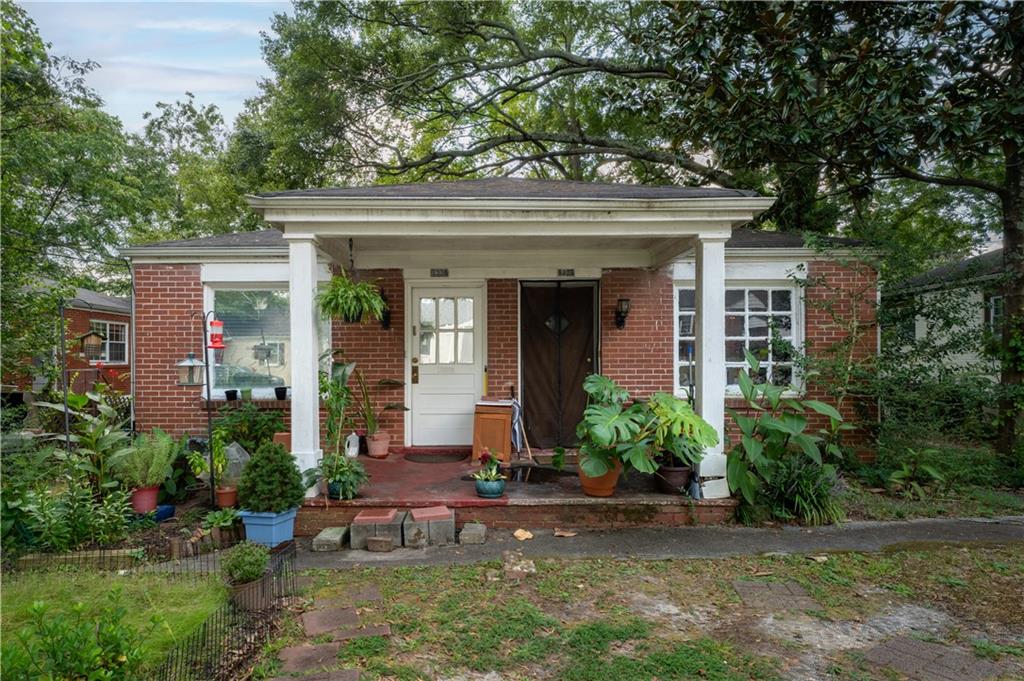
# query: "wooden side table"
{"points": [[492, 428]]}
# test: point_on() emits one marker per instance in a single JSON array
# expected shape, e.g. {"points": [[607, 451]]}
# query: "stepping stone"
{"points": [[316, 622], [330, 539], [473, 533], [308, 658], [339, 675], [362, 632], [430, 526], [376, 523], [929, 661], [777, 596]]}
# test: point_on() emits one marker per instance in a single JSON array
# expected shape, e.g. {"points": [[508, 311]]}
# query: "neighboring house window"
{"points": [[761, 319], [994, 311], [256, 333], [115, 340]]}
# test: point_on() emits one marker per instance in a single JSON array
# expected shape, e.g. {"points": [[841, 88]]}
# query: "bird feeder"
{"points": [[92, 345], [216, 335]]}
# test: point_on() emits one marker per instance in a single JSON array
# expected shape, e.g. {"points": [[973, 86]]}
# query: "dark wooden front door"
{"points": [[558, 349]]}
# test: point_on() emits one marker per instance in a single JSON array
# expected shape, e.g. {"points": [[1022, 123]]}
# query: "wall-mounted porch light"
{"points": [[189, 370], [621, 312], [92, 345]]}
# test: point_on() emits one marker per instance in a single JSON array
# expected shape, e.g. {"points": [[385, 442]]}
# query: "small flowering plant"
{"points": [[489, 467]]}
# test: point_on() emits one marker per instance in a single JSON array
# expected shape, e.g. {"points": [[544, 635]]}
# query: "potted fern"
{"points": [[351, 301], [244, 567], [342, 475], [146, 465], [377, 440], [270, 492]]}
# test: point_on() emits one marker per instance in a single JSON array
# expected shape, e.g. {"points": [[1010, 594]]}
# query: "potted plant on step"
{"points": [[146, 465], [377, 440], [607, 436], [244, 567], [342, 476], [678, 436], [351, 301], [489, 482], [270, 492]]}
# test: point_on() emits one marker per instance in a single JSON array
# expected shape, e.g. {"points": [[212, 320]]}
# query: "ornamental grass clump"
{"points": [[245, 562], [271, 482]]}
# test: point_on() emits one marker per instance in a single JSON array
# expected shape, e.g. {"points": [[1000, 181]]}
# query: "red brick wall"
{"points": [[640, 357], [378, 353], [502, 336]]}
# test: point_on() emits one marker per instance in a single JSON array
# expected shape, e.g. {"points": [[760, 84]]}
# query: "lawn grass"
{"points": [[582, 620], [966, 501], [180, 605]]}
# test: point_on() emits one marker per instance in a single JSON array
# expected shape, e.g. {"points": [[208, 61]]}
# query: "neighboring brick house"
{"points": [[494, 287], [109, 316]]}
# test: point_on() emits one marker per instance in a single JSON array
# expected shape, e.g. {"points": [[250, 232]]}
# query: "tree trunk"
{"points": [[1012, 347]]}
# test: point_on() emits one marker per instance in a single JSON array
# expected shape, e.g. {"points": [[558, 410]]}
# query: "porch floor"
{"points": [[548, 499]]}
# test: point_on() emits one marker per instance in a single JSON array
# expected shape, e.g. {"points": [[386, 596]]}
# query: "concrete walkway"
{"points": [[693, 542]]}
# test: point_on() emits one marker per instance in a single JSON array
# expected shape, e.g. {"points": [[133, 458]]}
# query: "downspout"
{"points": [[131, 363]]}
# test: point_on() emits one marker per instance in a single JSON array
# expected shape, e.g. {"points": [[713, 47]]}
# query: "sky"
{"points": [[156, 51]]}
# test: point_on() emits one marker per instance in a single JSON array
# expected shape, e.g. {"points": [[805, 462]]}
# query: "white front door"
{"points": [[447, 373]]}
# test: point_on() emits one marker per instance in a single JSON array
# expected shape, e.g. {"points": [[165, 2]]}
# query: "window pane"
{"points": [[782, 301], [115, 332], [757, 300], [687, 300], [734, 325], [734, 300], [465, 313], [117, 352], [98, 327], [761, 375], [734, 351], [782, 374], [758, 326], [428, 347], [446, 313], [253, 320], [759, 349], [686, 378], [781, 351], [686, 324], [783, 324], [446, 347], [428, 314], [465, 347], [732, 375], [686, 350]]}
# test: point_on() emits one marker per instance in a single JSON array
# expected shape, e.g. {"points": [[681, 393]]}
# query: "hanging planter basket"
{"points": [[351, 301]]}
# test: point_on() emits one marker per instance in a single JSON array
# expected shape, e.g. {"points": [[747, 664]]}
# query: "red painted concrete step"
{"points": [[431, 513], [375, 516]]}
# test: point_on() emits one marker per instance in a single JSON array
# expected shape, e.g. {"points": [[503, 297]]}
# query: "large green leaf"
{"points": [[823, 408], [608, 425]]}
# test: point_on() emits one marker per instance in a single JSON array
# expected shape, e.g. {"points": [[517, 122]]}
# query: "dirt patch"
{"points": [[691, 619]]}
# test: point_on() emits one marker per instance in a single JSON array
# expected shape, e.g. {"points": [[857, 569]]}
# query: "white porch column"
{"points": [[302, 283], [710, 357]]}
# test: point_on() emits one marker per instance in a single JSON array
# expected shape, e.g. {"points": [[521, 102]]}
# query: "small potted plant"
{"points": [[144, 467], [342, 475], [244, 567], [225, 493], [270, 492], [490, 483], [679, 437], [377, 440], [281, 392], [222, 525]]}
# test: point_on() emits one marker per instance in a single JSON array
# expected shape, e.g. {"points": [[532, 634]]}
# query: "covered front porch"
{"points": [[463, 271]]}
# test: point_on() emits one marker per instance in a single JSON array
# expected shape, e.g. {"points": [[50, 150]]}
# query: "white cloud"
{"points": [[202, 26]]}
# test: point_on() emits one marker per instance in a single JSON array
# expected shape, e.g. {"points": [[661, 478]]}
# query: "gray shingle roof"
{"points": [[266, 238], [977, 268], [92, 300], [511, 188]]}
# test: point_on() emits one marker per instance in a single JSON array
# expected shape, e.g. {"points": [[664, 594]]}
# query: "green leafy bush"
{"points": [[149, 461], [64, 520], [75, 646], [271, 482], [25, 466], [346, 472], [224, 517], [777, 467], [248, 425], [245, 562]]}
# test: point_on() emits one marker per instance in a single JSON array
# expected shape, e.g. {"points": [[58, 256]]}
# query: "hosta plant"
{"points": [[777, 467]]}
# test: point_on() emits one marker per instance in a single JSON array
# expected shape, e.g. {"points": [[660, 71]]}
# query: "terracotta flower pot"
{"points": [[144, 499], [673, 479], [377, 444], [602, 485], [227, 497]]}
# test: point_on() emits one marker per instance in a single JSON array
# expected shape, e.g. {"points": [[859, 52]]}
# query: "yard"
{"points": [[601, 619]]}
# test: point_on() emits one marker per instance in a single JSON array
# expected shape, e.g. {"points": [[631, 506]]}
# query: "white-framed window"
{"points": [[257, 327], [447, 330], [994, 312], [115, 340], [764, 319]]}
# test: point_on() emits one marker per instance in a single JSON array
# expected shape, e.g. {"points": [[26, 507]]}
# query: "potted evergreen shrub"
{"points": [[377, 440], [145, 466], [342, 475], [270, 492], [244, 567]]}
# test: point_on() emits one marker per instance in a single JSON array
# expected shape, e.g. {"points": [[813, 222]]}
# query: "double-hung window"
{"points": [[763, 320], [257, 328], [115, 340]]}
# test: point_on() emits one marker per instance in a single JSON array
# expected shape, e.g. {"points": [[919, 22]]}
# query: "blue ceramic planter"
{"points": [[269, 529], [490, 489]]}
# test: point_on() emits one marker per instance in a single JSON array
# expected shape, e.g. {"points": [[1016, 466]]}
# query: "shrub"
{"points": [[271, 482], [74, 646], [148, 463], [245, 562], [248, 425], [341, 470], [67, 519]]}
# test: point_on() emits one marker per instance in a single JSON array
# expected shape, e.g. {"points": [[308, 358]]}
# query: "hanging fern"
{"points": [[351, 301]]}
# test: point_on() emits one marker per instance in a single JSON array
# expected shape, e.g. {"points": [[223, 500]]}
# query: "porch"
{"points": [[546, 499]]}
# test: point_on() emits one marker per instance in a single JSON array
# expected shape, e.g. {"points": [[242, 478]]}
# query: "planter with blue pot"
{"points": [[490, 489], [269, 529]]}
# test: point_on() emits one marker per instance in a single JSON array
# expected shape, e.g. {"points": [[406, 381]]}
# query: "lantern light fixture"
{"points": [[621, 312], [189, 370]]}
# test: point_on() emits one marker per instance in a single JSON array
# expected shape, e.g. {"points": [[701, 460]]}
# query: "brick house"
{"points": [[496, 287]]}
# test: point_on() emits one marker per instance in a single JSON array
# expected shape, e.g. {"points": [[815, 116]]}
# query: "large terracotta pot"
{"points": [[227, 497], [673, 479], [144, 499], [377, 444], [602, 485]]}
